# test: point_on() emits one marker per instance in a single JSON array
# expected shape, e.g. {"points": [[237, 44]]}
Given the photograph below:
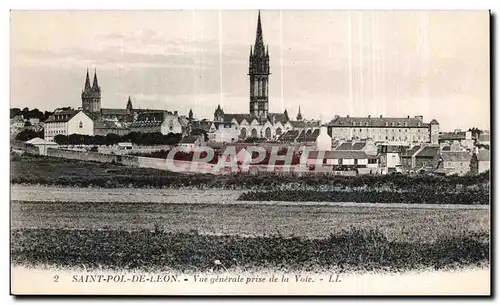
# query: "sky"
{"points": [[358, 63]]}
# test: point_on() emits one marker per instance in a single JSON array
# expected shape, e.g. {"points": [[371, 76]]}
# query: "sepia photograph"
{"points": [[250, 152]]}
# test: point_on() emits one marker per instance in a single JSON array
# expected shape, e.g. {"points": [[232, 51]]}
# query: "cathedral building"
{"points": [[124, 120], [258, 122]]}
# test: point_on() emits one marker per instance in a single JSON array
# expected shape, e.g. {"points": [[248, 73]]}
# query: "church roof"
{"points": [[114, 111], [278, 117], [239, 117]]}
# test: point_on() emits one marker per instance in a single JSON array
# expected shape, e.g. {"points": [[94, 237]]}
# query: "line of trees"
{"points": [[28, 134], [28, 114], [156, 138]]}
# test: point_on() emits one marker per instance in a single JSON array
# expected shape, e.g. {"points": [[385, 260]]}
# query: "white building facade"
{"points": [[67, 122]]}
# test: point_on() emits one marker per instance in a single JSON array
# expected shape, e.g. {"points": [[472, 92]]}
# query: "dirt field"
{"points": [[316, 221]]}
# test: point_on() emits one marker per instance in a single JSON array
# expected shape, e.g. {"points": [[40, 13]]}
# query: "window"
{"points": [[80, 125]]}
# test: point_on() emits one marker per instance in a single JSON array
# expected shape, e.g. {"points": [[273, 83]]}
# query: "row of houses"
{"points": [[401, 158]]}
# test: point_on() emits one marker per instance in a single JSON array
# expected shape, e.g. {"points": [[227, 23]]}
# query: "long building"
{"points": [[403, 130]]}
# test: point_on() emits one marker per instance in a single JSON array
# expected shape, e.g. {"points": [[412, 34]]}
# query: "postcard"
{"points": [[250, 152]]}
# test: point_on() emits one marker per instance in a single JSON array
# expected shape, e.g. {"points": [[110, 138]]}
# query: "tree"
{"points": [[112, 138], [14, 112], [28, 134], [61, 139], [474, 164]]}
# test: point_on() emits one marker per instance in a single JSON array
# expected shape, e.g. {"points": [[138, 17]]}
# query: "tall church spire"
{"points": [[87, 81], [258, 72], [259, 48], [95, 85]]}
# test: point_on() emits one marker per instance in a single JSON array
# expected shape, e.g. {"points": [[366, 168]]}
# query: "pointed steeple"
{"points": [[286, 115], [95, 85], [259, 49], [87, 81], [299, 115], [129, 104]]}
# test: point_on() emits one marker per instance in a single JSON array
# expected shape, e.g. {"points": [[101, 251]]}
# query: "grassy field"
{"points": [[313, 221], [348, 250]]}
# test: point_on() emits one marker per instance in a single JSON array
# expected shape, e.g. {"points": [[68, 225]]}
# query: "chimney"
{"points": [[175, 112], [369, 116], [380, 116], [347, 116], [408, 116]]}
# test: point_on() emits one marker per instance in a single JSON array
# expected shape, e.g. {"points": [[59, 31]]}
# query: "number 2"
{"points": [[56, 278]]}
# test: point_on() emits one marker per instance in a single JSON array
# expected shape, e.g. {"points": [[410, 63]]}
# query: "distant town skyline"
{"points": [[358, 63]]}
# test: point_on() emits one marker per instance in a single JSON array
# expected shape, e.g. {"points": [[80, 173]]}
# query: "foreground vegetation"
{"points": [[436, 196], [349, 250], [54, 171]]}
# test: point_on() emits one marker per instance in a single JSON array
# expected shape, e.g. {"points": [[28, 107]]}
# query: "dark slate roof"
{"points": [[298, 124], [60, 116], [349, 145], [446, 148], [151, 110], [151, 116], [114, 111], [339, 154], [434, 122], [312, 135], [358, 145], [228, 117], [278, 117], [145, 124], [107, 125], [290, 135], [451, 136], [224, 124], [376, 122], [428, 152], [456, 156], [483, 155], [189, 140], [344, 146]]}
